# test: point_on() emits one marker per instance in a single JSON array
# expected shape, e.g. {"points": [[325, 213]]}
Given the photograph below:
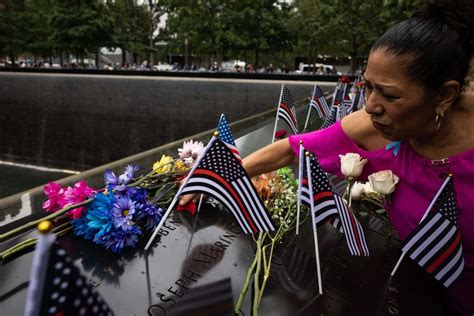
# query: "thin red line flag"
{"points": [[222, 176]]}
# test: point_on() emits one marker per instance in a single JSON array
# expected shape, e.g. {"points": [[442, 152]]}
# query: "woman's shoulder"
{"points": [[359, 128]]}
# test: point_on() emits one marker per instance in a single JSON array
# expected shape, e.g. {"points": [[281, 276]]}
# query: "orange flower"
{"points": [[262, 184]]}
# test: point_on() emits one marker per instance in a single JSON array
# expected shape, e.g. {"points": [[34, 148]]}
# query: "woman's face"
{"points": [[396, 102]]}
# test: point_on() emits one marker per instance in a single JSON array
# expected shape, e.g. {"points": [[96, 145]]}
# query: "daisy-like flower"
{"points": [[128, 174], [77, 194], [122, 211], [118, 239], [191, 152], [150, 215], [55, 195]]}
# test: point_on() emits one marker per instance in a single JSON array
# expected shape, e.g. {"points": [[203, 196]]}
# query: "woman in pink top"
{"points": [[416, 94]]}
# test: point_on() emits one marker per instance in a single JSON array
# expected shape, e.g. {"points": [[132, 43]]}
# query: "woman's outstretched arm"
{"points": [[269, 158]]}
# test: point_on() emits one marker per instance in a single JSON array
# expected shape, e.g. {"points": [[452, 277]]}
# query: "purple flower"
{"points": [[110, 179], [149, 215], [123, 211], [128, 174], [118, 239]]}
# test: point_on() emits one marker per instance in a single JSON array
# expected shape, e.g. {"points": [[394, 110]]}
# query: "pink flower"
{"points": [[79, 193], [55, 197]]}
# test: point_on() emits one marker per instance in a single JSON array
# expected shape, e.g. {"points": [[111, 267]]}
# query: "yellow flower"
{"points": [[180, 166], [165, 164]]}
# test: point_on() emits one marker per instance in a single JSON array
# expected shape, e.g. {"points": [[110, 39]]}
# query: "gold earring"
{"points": [[438, 119]]}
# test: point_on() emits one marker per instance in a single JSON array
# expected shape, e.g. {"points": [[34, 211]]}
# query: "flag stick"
{"points": [[307, 116], [300, 178], [276, 118], [315, 233], [309, 110], [175, 199], [39, 269], [424, 216], [194, 225]]}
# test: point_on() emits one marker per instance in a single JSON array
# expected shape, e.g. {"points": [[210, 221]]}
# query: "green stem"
{"points": [[51, 216], [267, 268], [256, 276], [246, 286], [32, 241]]}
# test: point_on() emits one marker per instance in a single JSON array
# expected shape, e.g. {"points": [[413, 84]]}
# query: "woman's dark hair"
{"points": [[439, 39]]}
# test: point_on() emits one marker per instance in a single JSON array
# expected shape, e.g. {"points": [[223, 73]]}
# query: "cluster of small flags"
{"points": [[435, 244]]}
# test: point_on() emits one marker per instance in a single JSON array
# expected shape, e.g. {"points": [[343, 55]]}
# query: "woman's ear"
{"points": [[450, 91]]}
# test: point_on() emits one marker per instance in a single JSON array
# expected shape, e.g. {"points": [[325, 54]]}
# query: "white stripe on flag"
{"points": [[346, 224], [452, 264], [455, 275], [223, 197], [430, 239], [422, 232], [262, 214], [248, 203], [441, 244]]}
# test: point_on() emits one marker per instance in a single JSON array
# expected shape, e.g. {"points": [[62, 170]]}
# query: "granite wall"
{"points": [[77, 121]]}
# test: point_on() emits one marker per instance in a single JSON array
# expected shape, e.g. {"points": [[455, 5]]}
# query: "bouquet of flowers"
{"points": [[118, 214], [279, 193], [367, 197]]}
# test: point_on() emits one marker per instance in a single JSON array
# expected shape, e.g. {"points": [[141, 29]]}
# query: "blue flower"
{"points": [[123, 210], [81, 229], [150, 215], [110, 179], [97, 221], [128, 174], [118, 239]]}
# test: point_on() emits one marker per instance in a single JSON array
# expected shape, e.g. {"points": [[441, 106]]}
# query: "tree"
{"points": [[36, 17], [346, 27], [131, 27], [11, 28], [80, 27]]}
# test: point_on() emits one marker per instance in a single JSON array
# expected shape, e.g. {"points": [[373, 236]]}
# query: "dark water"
{"points": [[16, 179]]}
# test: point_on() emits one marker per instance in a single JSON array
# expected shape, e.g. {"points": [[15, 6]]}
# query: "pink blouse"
{"points": [[420, 179]]}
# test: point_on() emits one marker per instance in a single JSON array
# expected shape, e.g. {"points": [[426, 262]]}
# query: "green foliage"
{"points": [[11, 27], [258, 32], [345, 27], [80, 26]]}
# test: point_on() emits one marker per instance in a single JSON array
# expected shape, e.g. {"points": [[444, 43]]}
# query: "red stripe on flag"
{"points": [[318, 103], [356, 232], [445, 254], [232, 191], [304, 181], [321, 195], [289, 113]]}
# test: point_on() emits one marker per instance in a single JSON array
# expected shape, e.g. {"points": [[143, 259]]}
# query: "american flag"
{"points": [[347, 100], [337, 96], [286, 110], [435, 244], [356, 101], [221, 175], [66, 291], [331, 119], [318, 194], [225, 135], [318, 102]]}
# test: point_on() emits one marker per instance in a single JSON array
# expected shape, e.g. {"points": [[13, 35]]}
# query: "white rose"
{"points": [[383, 181], [352, 164], [357, 190], [368, 188]]}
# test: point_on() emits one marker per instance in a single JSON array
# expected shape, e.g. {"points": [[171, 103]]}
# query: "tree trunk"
{"points": [[97, 58], [61, 58], [124, 57], [257, 59]]}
